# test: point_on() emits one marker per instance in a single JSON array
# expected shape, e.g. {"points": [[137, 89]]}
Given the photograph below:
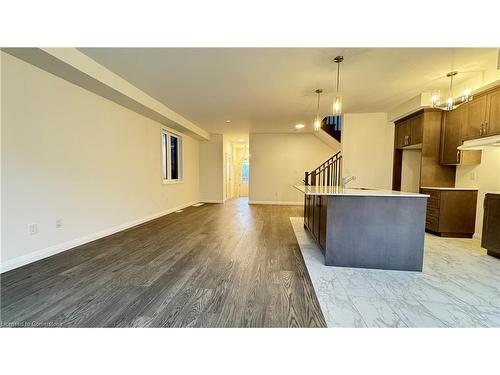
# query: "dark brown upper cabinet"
{"points": [[402, 134], [493, 121], [422, 130], [475, 117], [483, 115], [453, 125], [409, 131], [416, 129]]}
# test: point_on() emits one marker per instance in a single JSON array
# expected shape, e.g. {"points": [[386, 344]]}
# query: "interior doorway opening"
{"points": [[241, 169]]}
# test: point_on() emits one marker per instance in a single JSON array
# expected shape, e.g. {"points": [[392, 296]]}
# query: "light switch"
{"points": [[32, 228]]}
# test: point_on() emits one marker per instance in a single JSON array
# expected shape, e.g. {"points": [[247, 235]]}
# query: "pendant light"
{"points": [[449, 100], [317, 121], [450, 103], [337, 100]]}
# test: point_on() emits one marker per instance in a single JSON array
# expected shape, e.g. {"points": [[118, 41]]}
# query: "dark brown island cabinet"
{"points": [[451, 212], [366, 228], [490, 239]]}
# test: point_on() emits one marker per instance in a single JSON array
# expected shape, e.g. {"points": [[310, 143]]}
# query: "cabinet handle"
{"points": [[458, 156]]}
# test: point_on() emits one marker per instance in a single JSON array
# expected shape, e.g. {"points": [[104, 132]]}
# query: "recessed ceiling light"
{"points": [[241, 140], [228, 121], [299, 126]]}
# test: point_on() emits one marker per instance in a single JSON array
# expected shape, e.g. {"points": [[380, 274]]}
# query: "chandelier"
{"points": [[450, 103]]}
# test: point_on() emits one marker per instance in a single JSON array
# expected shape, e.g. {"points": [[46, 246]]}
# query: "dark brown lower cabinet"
{"points": [[308, 211], [451, 212], [490, 239], [315, 208]]}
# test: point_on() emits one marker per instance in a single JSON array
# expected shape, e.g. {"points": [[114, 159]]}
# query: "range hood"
{"points": [[481, 143]]}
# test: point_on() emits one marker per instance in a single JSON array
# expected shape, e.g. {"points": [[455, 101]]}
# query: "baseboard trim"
{"points": [[59, 248], [212, 201], [282, 203]]}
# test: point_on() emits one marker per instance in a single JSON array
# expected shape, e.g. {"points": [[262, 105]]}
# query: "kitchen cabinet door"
{"points": [[475, 117], [316, 202], [403, 134], [416, 129], [491, 225], [493, 122], [307, 211], [453, 122]]}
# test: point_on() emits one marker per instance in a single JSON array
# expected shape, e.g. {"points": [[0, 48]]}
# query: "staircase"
{"points": [[332, 125], [327, 174], [330, 172]]}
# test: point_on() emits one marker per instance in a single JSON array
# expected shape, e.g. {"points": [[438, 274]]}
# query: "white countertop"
{"points": [[447, 188], [362, 192]]}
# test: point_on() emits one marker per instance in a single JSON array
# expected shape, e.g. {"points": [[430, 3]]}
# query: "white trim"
{"points": [[281, 203], [171, 182], [211, 200], [166, 171], [58, 248]]}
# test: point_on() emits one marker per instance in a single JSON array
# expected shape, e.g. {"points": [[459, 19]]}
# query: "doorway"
{"points": [[241, 165], [229, 176]]}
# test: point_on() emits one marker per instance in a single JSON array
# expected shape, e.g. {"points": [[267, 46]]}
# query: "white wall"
{"points": [[72, 155], [212, 169], [367, 149], [279, 161], [486, 178], [410, 171]]}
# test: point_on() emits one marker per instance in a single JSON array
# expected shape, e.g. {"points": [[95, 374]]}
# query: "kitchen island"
{"points": [[367, 228]]}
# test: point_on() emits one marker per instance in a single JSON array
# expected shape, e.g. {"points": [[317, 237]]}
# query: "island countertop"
{"points": [[361, 192]]}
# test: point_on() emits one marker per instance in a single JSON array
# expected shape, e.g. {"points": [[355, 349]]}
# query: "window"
{"points": [[172, 156], [245, 169]]}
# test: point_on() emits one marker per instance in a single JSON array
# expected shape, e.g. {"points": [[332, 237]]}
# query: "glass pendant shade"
{"points": [[467, 95], [337, 104], [449, 103], [317, 124], [435, 98]]}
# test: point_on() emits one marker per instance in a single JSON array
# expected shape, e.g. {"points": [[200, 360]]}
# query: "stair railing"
{"points": [[327, 174]]}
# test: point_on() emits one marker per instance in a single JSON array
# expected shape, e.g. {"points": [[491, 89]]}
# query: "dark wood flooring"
{"points": [[230, 265]]}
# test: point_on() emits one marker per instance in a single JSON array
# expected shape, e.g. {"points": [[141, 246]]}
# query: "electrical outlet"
{"points": [[473, 176], [58, 223], [32, 228]]}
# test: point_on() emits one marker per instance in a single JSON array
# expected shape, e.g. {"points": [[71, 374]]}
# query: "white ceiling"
{"points": [[272, 89]]}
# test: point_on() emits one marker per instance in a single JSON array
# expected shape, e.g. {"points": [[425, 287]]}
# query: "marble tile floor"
{"points": [[459, 287]]}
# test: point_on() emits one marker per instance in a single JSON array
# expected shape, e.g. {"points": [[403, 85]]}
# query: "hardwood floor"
{"points": [[230, 265]]}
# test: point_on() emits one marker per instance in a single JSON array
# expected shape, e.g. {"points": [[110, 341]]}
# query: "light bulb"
{"points": [[317, 124], [449, 103], [466, 97], [337, 105], [435, 100]]}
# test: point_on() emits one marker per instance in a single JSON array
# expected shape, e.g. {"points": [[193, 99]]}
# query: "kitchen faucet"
{"points": [[346, 180]]}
